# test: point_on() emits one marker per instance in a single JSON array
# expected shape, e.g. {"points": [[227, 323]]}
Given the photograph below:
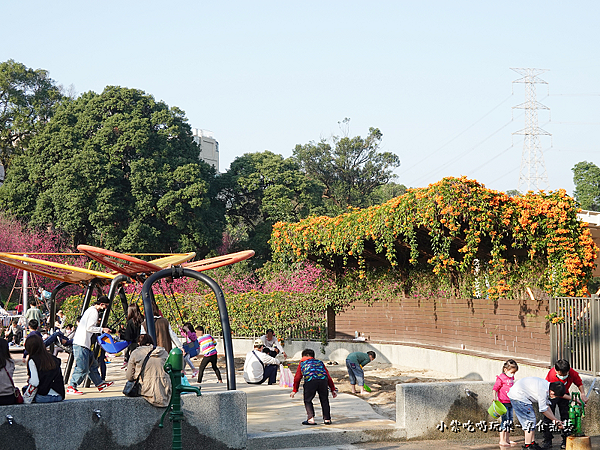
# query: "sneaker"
{"points": [[532, 446], [195, 375], [564, 444], [73, 391], [124, 366], [105, 385]]}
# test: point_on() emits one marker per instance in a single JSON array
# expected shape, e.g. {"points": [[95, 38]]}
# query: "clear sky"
{"points": [[433, 76]]}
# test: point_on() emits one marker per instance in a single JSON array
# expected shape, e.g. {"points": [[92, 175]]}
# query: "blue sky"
{"points": [[434, 77]]}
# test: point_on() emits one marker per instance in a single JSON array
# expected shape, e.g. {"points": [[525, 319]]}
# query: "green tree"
{"points": [[28, 99], [350, 171], [263, 188], [121, 170], [385, 192], [586, 177]]}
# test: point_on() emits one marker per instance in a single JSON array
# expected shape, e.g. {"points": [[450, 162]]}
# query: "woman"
{"points": [[7, 370], [132, 331], [44, 371], [155, 382]]}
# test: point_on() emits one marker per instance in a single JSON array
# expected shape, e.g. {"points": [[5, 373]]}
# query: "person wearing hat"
{"points": [[85, 363], [259, 366]]}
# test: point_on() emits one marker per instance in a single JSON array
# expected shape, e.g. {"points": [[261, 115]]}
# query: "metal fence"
{"points": [[576, 334]]}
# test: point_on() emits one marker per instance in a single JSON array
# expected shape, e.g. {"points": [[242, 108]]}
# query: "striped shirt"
{"points": [[208, 346]]}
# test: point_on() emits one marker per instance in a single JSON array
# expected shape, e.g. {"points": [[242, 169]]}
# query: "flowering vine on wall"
{"points": [[457, 230]]}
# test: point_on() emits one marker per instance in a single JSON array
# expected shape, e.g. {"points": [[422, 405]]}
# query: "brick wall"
{"points": [[506, 328]]}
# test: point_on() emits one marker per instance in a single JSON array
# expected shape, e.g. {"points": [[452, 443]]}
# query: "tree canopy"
{"points": [[263, 188], [28, 99], [586, 176], [350, 171], [121, 170]]}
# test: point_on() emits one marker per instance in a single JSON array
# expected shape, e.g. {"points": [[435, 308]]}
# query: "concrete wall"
{"points": [[454, 364], [427, 410], [215, 421]]}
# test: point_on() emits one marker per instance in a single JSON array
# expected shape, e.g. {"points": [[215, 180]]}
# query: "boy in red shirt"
{"points": [[316, 379], [562, 372]]}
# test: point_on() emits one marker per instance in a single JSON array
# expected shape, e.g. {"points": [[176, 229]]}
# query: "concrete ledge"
{"points": [[454, 364], [423, 408], [216, 421]]}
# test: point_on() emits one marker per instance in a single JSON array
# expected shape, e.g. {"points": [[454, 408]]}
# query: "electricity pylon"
{"points": [[532, 176]]}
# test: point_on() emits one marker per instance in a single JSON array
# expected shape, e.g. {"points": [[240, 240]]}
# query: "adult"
{"points": [[272, 347], [165, 336], [14, 333], [85, 363], [32, 326], [522, 395], [354, 363], [34, 313], [155, 382], [44, 372], [208, 348], [132, 330], [259, 366], [7, 370]]}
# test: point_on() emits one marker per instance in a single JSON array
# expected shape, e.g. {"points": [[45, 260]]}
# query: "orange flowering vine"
{"points": [[456, 229]]}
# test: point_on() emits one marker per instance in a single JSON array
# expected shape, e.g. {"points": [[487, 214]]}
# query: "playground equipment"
{"points": [[173, 366]]}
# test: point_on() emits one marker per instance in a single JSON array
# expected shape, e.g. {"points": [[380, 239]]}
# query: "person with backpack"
{"points": [[316, 380]]}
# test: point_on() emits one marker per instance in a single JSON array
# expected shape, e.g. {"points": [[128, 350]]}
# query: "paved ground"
{"points": [[274, 419]]}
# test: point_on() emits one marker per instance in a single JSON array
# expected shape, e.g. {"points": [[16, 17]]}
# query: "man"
{"points": [[14, 333], [259, 366], [44, 295], [34, 313], [272, 347], [85, 363], [522, 395], [32, 328]]}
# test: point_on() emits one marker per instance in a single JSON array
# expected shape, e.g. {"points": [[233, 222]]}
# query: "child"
{"points": [[190, 336], [504, 382], [316, 379], [562, 372], [208, 348]]}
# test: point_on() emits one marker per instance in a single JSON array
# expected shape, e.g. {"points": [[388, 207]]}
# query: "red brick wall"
{"points": [[506, 328]]}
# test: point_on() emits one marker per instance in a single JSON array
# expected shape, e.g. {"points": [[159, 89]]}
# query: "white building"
{"points": [[209, 147]]}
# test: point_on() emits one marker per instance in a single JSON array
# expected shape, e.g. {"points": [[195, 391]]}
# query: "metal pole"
{"points": [[178, 272], [25, 283]]}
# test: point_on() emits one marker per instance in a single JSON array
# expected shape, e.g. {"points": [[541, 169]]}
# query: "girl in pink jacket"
{"points": [[504, 382]]}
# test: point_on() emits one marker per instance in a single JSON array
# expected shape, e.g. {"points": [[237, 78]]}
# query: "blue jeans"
{"points": [[507, 419], [85, 365], [356, 374], [525, 413], [47, 398]]}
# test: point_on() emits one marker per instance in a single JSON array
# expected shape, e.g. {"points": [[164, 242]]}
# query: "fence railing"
{"points": [[576, 334]]}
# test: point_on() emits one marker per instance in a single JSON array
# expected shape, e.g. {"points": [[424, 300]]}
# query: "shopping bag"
{"points": [[29, 393], [286, 379]]}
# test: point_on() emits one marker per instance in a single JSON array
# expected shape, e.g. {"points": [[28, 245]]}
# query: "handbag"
{"points": [[134, 388], [18, 394], [29, 393]]}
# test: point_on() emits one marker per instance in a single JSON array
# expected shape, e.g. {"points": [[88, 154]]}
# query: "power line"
{"points": [[490, 160], [458, 135], [460, 155]]}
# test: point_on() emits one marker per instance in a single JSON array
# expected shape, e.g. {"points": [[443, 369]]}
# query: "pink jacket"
{"points": [[502, 386]]}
